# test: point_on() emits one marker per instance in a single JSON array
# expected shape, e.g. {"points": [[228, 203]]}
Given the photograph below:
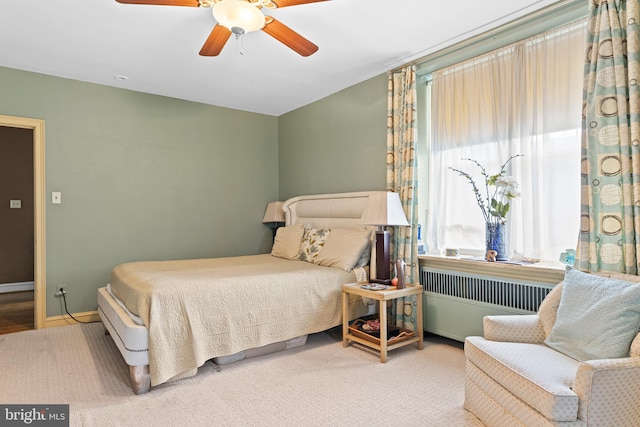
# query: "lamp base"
{"points": [[383, 271], [274, 227]]}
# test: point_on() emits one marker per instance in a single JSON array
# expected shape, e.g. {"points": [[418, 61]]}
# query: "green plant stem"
{"points": [[492, 214]]}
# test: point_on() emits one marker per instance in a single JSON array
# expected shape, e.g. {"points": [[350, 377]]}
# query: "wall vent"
{"points": [[511, 293]]}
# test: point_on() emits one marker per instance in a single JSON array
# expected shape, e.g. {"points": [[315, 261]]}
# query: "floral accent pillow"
{"points": [[312, 242]]}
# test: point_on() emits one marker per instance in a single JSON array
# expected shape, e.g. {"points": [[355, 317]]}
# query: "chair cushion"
{"points": [[537, 374], [548, 309], [597, 318]]}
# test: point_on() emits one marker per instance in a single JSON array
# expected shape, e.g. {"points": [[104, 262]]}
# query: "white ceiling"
{"points": [[157, 47]]}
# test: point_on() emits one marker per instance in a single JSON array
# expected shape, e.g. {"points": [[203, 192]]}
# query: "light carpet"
{"points": [[318, 384]]}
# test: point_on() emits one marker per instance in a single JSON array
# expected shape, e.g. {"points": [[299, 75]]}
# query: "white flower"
{"points": [[494, 206], [507, 187], [506, 181]]}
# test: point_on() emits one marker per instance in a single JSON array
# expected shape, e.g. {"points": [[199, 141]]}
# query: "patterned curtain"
{"points": [[402, 179], [610, 211]]}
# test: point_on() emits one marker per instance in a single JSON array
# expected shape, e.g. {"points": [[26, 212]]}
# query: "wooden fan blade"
{"points": [[192, 3], [285, 3], [216, 41], [290, 38]]}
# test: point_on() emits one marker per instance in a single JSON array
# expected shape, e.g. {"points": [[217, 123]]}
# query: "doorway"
{"points": [[35, 132]]}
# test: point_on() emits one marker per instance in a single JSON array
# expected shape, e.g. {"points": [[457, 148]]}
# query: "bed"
{"points": [[167, 318]]}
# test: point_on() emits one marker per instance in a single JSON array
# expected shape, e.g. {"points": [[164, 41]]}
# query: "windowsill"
{"points": [[545, 272]]}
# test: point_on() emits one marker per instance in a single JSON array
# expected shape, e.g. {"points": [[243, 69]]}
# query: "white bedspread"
{"points": [[199, 309]]}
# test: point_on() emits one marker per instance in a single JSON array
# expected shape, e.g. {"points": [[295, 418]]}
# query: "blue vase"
{"points": [[495, 240]]}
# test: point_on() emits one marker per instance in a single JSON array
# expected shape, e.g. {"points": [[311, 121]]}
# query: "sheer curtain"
{"points": [[524, 99]]}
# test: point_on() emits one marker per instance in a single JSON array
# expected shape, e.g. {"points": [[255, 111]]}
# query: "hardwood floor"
{"points": [[16, 312]]}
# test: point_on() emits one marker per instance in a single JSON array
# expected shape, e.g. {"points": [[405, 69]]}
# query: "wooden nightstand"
{"points": [[382, 296]]}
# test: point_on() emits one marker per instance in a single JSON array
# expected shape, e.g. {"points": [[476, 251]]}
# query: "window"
{"points": [[526, 99]]}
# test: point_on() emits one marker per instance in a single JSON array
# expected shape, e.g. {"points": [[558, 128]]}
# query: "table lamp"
{"points": [[383, 209], [274, 217]]}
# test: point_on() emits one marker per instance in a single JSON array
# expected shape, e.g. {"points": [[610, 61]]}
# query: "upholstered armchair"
{"points": [[515, 376]]}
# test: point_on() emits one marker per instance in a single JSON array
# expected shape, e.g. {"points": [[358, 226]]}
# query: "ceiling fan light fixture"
{"points": [[239, 16]]}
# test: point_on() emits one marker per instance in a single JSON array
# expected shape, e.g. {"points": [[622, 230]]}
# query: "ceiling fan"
{"points": [[240, 17]]}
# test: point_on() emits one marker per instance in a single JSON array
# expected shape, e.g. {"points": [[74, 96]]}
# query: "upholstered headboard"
{"points": [[339, 210]]}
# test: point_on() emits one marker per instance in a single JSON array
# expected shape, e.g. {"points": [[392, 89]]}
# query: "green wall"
{"points": [[146, 177], [142, 177], [336, 144]]}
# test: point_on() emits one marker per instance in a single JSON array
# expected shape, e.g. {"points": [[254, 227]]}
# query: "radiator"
{"points": [[455, 302]]}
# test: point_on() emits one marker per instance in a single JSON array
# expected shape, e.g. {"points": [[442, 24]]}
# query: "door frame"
{"points": [[39, 261]]}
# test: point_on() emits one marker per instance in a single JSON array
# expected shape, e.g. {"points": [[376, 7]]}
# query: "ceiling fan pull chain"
{"points": [[240, 43]]}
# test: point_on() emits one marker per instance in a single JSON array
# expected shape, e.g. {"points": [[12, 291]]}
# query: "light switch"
{"points": [[15, 204], [56, 197]]}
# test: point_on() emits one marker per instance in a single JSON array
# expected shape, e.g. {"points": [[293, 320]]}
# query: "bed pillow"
{"points": [[287, 242], [597, 318], [365, 257], [343, 248], [312, 241]]}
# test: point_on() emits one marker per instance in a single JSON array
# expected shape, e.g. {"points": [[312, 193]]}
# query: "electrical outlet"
{"points": [[61, 290]]}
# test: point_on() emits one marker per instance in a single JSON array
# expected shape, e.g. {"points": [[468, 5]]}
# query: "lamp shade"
{"points": [[384, 208], [274, 213]]}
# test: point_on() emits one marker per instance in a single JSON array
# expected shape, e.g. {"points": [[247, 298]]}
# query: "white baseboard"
{"points": [[16, 287]]}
